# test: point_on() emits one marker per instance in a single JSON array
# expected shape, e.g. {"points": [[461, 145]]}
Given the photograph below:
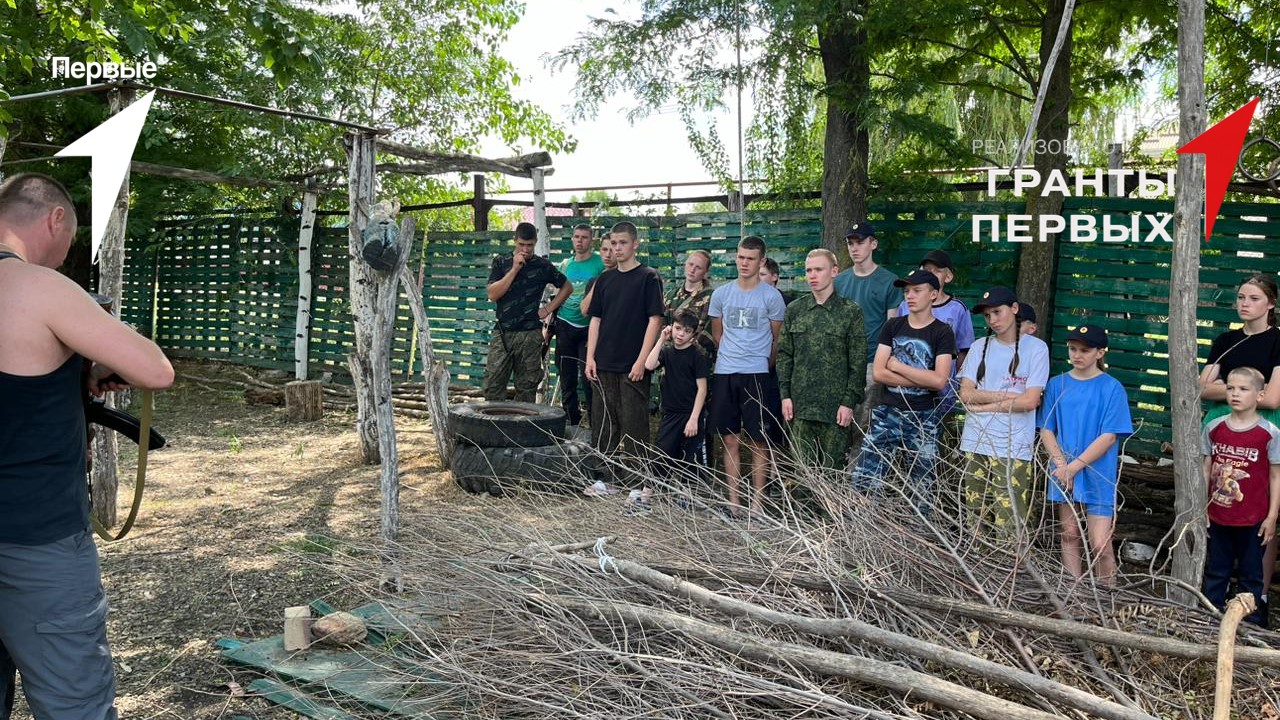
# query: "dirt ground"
{"points": [[239, 492]]}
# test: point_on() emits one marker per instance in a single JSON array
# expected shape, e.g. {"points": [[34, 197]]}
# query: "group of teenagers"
{"points": [[876, 363]]}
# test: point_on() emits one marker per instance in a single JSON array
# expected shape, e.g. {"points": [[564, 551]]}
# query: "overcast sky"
{"points": [[610, 150]]}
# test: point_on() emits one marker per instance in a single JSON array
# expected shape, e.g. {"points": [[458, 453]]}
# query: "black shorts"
{"points": [[745, 403]]}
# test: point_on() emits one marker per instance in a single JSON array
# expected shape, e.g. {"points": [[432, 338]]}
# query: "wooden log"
{"points": [[984, 613], [435, 386], [303, 400], [896, 678], [380, 361], [259, 396], [297, 628], [1237, 608], [362, 289], [855, 629]]}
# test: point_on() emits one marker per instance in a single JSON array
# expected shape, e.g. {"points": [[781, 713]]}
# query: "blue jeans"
{"points": [[1234, 551], [915, 433]]}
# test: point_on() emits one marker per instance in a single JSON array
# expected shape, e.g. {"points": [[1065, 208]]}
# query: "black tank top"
{"points": [[43, 494]]}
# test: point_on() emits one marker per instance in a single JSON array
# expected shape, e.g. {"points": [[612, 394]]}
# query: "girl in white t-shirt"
{"points": [[1001, 383]]}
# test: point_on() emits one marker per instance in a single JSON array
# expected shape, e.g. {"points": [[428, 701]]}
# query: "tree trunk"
{"points": [[384, 327], [1038, 260], [435, 374], [1191, 492], [362, 289], [846, 145], [104, 480], [302, 321]]}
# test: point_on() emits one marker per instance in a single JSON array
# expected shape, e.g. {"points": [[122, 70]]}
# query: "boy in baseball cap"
{"points": [[913, 360]]}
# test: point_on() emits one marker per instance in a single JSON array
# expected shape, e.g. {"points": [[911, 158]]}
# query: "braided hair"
{"points": [[1013, 364]]}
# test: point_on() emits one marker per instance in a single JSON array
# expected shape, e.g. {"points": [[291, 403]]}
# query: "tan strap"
{"points": [[144, 442]]}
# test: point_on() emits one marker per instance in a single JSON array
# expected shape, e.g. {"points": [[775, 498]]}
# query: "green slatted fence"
{"points": [[226, 287]]}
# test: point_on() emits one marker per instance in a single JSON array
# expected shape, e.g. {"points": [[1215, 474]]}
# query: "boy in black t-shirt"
{"points": [[913, 360], [626, 318], [684, 390]]}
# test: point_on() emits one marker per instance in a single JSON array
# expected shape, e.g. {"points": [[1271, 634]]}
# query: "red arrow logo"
{"points": [[1220, 145]]}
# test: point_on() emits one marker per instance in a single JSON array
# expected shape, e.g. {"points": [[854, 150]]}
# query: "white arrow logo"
{"points": [[110, 146]]}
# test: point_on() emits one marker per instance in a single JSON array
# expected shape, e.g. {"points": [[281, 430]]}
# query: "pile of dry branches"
{"points": [[845, 605]]}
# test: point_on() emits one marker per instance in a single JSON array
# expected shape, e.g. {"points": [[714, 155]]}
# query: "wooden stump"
{"points": [[304, 400]]}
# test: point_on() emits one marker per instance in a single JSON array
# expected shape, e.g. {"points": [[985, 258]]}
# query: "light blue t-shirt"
{"points": [[747, 340], [876, 295], [1077, 412]]}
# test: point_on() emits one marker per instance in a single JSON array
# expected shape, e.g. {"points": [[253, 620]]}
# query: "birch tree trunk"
{"points": [[104, 480], [362, 289], [302, 323], [1191, 494]]}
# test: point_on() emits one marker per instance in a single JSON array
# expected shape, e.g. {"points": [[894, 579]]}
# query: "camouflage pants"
{"points": [[820, 444], [996, 492], [518, 352]]}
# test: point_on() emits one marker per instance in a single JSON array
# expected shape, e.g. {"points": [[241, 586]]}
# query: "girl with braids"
{"points": [[1084, 415], [1255, 345], [1001, 383]]}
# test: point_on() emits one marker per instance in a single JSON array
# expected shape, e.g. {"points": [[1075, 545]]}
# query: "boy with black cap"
{"points": [[913, 360], [872, 288], [1027, 324], [953, 312]]}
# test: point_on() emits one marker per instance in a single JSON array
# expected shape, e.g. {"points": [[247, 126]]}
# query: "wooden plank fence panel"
{"points": [[225, 287]]}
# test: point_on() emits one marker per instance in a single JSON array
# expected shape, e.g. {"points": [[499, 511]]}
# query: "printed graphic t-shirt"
{"points": [[917, 348], [580, 273], [1240, 470], [745, 315]]}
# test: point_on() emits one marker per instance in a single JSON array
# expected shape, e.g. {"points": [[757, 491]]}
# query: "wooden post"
{"points": [[479, 204], [384, 326], [543, 247], [435, 375], [1190, 489], [1238, 607], [104, 481], [362, 288], [297, 628], [304, 400], [302, 334]]}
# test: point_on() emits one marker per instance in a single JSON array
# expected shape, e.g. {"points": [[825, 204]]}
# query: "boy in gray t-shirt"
{"points": [[746, 316]]}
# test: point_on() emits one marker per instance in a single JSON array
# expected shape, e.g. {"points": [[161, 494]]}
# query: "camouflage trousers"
{"points": [[820, 444], [997, 492], [517, 352]]}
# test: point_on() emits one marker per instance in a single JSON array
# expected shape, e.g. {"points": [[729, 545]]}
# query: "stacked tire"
{"points": [[503, 445]]}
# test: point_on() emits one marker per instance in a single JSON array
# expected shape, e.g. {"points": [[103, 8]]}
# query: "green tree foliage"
{"points": [[429, 71]]}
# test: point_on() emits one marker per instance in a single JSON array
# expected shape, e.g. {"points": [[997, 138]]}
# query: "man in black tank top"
{"points": [[52, 607]]}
